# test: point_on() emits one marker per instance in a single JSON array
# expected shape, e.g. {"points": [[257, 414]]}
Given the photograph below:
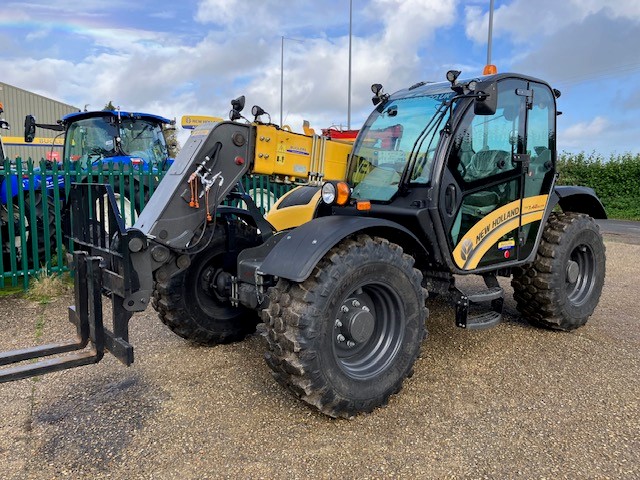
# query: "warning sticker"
{"points": [[507, 244]]}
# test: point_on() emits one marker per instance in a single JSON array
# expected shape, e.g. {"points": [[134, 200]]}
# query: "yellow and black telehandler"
{"points": [[444, 179]]}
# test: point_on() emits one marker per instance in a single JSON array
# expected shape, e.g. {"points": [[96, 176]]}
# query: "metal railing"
{"points": [[32, 200]]}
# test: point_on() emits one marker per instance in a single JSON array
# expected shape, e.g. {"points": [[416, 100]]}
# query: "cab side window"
{"points": [[486, 144], [540, 141]]}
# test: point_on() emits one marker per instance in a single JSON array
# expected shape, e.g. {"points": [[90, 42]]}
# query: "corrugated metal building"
{"points": [[17, 104]]}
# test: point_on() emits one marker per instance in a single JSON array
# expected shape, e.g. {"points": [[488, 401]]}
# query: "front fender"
{"points": [[578, 199], [300, 249], [294, 208], [4, 188]]}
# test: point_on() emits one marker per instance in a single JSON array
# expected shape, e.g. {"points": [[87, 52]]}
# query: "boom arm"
{"points": [[213, 160]]}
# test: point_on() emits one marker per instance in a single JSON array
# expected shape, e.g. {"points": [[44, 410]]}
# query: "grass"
{"points": [[9, 291], [46, 286]]}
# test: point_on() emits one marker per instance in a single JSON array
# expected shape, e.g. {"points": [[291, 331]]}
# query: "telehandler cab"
{"points": [[444, 179]]}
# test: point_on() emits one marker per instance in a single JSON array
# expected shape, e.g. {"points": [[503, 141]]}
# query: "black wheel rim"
{"points": [[580, 274], [208, 297], [368, 331]]}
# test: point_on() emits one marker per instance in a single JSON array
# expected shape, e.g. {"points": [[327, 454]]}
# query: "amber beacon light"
{"points": [[489, 70]]}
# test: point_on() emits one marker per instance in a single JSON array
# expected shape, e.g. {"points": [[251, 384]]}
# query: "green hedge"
{"points": [[616, 180]]}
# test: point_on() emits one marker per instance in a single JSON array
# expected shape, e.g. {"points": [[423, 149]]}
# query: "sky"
{"points": [[174, 58]]}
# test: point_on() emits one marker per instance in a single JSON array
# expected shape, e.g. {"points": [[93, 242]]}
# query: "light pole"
{"points": [[282, 38], [489, 68], [490, 39], [349, 88]]}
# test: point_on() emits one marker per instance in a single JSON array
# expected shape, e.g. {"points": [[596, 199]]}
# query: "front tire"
{"points": [[562, 287], [345, 339], [189, 304]]}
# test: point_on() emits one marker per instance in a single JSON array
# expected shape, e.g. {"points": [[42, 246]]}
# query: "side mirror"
{"points": [[486, 101], [29, 128]]}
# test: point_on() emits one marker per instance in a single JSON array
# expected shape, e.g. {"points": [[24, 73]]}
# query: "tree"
{"points": [[171, 138], [109, 106]]}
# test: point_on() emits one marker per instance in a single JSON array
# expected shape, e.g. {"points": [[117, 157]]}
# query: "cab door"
{"points": [[483, 184], [538, 164]]}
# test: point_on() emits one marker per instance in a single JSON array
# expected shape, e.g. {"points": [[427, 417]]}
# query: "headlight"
{"points": [[328, 193], [336, 193]]}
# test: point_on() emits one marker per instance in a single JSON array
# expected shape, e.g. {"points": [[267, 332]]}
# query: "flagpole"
{"points": [[490, 39]]}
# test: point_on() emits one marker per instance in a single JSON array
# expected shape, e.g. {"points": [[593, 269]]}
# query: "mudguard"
{"points": [[577, 199], [15, 190], [300, 249], [5, 187]]}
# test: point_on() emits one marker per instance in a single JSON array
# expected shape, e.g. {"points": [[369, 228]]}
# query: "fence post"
{"points": [[23, 227]]}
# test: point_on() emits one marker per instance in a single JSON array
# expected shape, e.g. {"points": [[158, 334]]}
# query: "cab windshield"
{"points": [[143, 139], [402, 133], [90, 139]]}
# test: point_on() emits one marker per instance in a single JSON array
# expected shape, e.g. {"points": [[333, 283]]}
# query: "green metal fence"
{"points": [[33, 196]]}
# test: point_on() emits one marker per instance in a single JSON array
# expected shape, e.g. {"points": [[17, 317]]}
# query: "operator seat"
{"points": [[484, 164], [466, 152]]}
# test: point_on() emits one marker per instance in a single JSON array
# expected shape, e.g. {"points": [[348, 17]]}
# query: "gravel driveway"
{"points": [[510, 402]]}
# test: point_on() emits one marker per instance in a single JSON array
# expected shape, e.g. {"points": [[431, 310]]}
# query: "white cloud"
{"points": [[316, 71], [583, 133], [600, 46], [408, 22], [220, 11], [524, 21], [151, 70], [233, 47]]}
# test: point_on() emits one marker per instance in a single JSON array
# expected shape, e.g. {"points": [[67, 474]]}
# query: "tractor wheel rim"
{"points": [[580, 274], [126, 213], [369, 330], [121, 202]]}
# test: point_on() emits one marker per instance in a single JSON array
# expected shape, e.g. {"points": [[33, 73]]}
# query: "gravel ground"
{"points": [[510, 402]]}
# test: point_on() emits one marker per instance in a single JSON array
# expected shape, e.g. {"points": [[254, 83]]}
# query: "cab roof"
{"points": [[73, 117], [432, 88]]}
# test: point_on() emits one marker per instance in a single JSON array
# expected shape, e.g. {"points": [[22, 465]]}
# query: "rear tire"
{"points": [[128, 197], [192, 309], [562, 287], [128, 200], [33, 228], [345, 339], [11, 214], [41, 221]]}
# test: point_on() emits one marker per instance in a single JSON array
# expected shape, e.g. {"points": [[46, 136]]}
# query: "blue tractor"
{"points": [[129, 143]]}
